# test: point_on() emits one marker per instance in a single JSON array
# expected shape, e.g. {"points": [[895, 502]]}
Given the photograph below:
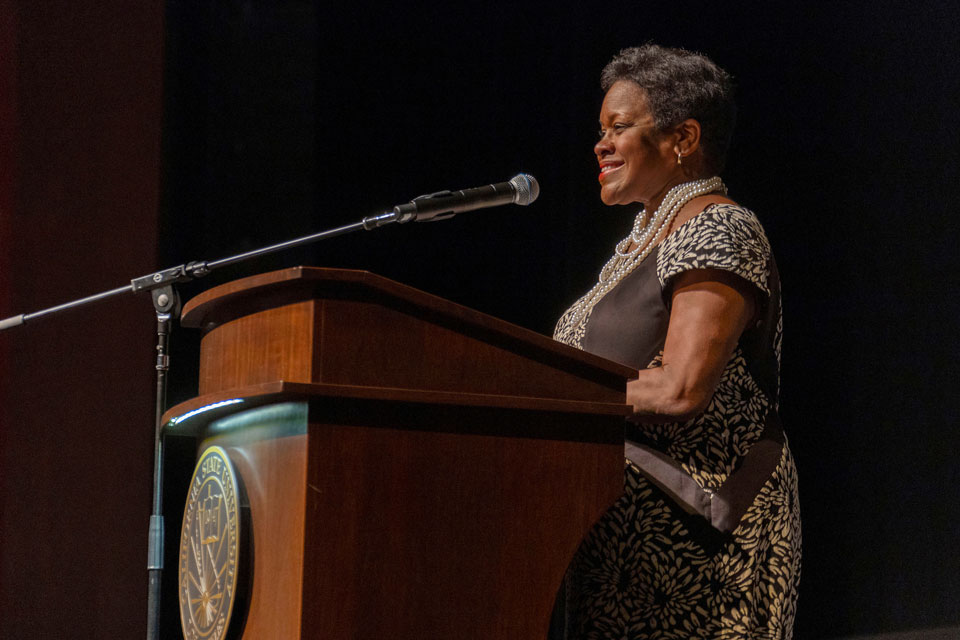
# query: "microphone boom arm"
{"points": [[522, 189]]}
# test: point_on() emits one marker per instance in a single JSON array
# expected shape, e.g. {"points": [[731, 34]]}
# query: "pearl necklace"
{"points": [[629, 253]]}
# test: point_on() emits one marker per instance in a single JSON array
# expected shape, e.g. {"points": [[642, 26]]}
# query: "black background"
{"points": [[287, 117]]}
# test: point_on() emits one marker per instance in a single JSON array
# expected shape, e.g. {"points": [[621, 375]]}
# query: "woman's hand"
{"points": [[710, 309]]}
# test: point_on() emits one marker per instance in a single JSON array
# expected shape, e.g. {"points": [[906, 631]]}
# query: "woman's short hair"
{"points": [[681, 84]]}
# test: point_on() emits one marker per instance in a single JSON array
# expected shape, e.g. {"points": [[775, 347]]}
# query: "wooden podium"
{"points": [[414, 468]]}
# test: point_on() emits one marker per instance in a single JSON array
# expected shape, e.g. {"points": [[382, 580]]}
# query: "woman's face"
{"points": [[637, 163]]}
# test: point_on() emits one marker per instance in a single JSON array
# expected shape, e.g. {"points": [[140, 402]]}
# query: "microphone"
{"points": [[522, 189]]}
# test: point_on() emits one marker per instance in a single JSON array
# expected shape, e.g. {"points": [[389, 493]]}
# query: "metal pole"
{"points": [[166, 302]]}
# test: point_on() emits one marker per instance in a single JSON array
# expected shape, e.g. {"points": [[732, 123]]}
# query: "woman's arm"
{"points": [[710, 308]]}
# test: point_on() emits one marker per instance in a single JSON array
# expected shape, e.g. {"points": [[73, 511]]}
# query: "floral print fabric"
{"points": [[650, 568]]}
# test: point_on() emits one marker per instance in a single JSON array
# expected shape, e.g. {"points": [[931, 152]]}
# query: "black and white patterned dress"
{"points": [[705, 541]]}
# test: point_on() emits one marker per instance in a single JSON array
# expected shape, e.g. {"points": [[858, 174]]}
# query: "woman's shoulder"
{"points": [[718, 234], [702, 204], [713, 213]]}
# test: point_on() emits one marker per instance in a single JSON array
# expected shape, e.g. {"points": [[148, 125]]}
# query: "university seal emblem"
{"points": [[209, 548]]}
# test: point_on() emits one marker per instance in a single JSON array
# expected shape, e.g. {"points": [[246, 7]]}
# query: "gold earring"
{"points": [[679, 157]]}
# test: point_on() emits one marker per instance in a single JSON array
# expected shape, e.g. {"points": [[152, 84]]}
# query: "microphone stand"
{"points": [[166, 304]]}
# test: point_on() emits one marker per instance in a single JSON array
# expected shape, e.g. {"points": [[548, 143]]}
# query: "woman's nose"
{"points": [[603, 147]]}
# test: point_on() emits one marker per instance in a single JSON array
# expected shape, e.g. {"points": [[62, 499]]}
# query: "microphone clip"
{"points": [[438, 196]]}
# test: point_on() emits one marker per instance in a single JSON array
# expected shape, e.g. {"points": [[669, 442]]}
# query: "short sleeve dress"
{"points": [[705, 542]]}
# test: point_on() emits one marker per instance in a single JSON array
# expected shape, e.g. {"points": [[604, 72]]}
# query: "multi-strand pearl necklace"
{"points": [[630, 252]]}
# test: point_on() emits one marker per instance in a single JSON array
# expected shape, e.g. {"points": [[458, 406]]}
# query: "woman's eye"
{"points": [[618, 127]]}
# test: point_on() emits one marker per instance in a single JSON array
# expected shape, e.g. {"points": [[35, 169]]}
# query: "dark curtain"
{"points": [[287, 117]]}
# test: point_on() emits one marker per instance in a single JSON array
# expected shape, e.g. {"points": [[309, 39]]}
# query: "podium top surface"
{"points": [[241, 297]]}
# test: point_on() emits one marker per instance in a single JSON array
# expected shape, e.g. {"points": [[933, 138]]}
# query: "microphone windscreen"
{"points": [[526, 187]]}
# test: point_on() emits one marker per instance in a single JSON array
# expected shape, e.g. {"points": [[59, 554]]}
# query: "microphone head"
{"points": [[525, 188]]}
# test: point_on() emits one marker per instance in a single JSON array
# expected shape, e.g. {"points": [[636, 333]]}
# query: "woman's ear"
{"points": [[687, 137]]}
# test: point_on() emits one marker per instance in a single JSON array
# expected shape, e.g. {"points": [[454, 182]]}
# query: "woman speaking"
{"points": [[705, 542]]}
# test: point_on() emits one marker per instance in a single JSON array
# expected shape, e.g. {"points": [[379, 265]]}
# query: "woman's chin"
{"points": [[608, 197], [613, 198]]}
